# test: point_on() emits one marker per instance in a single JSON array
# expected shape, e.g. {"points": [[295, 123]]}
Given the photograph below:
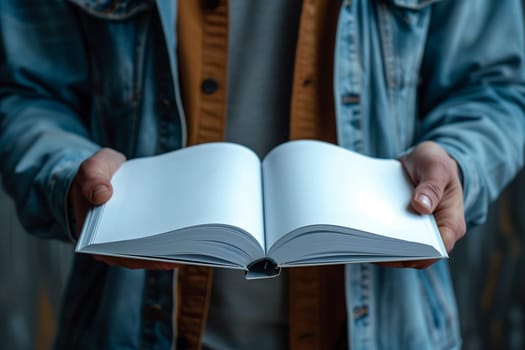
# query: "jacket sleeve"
{"points": [[473, 94], [43, 109]]}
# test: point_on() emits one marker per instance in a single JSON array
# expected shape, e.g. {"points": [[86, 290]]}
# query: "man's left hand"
{"points": [[437, 191]]}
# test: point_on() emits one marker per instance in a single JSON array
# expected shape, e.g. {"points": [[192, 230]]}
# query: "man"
{"points": [[437, 83]]}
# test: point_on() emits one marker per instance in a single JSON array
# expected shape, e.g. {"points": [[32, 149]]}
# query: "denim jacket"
{"points": [[79, 74]]}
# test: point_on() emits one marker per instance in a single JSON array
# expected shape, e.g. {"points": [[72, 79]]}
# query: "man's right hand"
{"points": [[91, 187]]}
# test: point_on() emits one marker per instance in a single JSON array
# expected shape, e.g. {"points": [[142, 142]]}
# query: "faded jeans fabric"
{"points": [[81, 74]]}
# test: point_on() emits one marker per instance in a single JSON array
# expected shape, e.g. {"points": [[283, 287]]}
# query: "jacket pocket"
{"points": [[403, 29], [403, 26], [114, 9], [116, 34]]}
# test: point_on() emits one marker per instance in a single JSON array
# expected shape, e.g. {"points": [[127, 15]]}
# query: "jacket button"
{"points": [[209, 86], [211, 4]]}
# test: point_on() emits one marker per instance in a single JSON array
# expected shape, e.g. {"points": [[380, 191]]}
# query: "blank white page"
{"points": [[312, 182], [214, 183]]}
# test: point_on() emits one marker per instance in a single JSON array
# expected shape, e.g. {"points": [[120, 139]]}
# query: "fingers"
{"points": [[450, 219], [431, 170], [136, 263], [94, 175], [438, 189], [91, 185], [415, 264]]}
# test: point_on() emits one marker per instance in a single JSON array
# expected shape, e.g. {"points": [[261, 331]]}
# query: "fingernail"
{"points": [[423, 199], [100, 189]]}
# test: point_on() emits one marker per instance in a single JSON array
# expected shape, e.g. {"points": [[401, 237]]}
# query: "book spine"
{"points": [[263, 268]]}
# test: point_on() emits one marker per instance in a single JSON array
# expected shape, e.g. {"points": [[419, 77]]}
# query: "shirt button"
{"points": [[211, 4], [209, 86]]}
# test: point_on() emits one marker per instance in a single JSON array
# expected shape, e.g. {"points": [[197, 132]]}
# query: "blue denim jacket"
{"points": [[79, 74]]}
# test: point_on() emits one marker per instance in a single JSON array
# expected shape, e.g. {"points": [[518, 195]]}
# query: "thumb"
{"points": [[428, 193], [94, 175], [431, 169]]}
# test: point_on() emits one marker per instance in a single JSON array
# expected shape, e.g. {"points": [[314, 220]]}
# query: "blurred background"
{"points": [[33, 273], [488, 269], [487, 266]]}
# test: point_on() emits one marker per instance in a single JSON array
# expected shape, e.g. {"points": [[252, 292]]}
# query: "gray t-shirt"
{"points": [[262, 39]]}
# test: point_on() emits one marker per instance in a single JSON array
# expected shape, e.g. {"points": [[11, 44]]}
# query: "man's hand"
{"points": [[91, 186], [438, 190]]}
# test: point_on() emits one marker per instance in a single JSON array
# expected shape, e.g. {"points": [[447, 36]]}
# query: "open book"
{"points": [[217, 204]]}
